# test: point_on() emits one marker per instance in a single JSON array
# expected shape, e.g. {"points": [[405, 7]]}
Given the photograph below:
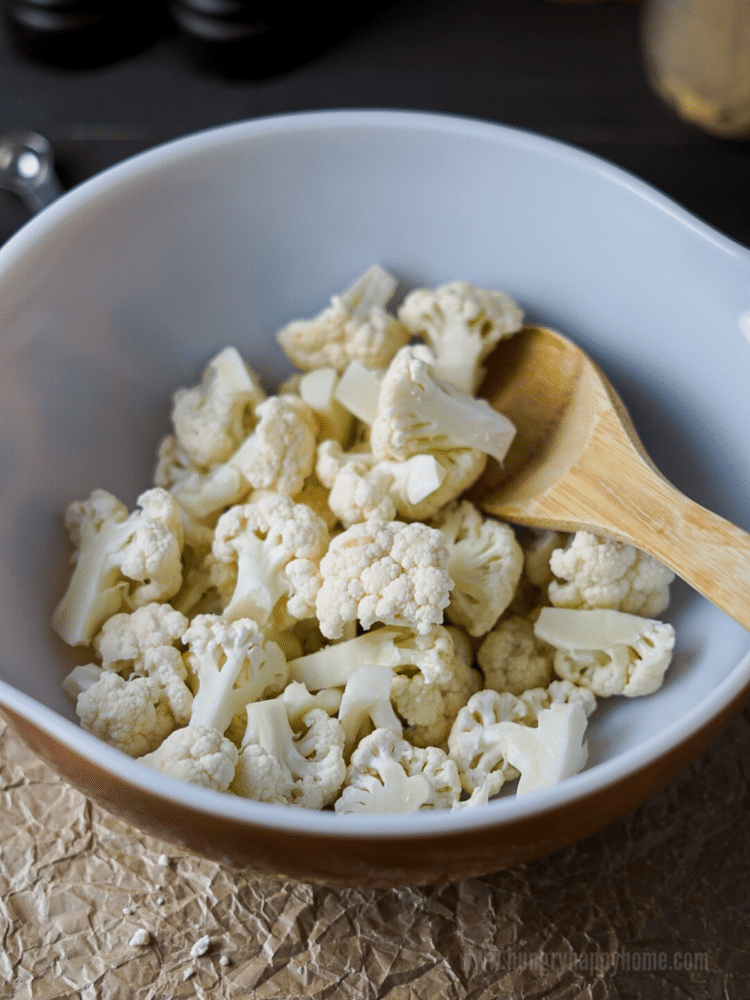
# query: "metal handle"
{"points": [[27, 169]]}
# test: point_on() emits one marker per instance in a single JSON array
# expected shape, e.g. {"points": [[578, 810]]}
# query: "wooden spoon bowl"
{"points": [[577, 463]]}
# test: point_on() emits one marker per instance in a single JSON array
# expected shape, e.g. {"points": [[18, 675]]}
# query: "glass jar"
{"points": [[697, 58]]}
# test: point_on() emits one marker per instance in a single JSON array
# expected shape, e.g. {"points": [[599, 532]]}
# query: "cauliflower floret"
{"points": [[198, 754], [317, 389], [277, 456], [462, 324], [496, 736], [363, 488], [512, 658], [602, 573], [429, 708], [357, 391], [485, 563], [211, 419], [131, 715], [278, 765], [124, 638], [608, 651], [142, 644], [387, 774], [354, 326], [557, 692], [266, 552], [298, 701], [366, 704], [280, 453], [431, 653], [384, 571], [233, 664], [202, 495], [121, 560], [420, 413]]}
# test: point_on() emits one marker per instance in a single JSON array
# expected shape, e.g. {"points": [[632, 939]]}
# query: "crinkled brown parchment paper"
{"points": [[657, 905]]}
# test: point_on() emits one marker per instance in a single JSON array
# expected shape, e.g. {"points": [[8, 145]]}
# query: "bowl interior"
{"points": [[121, 291]]}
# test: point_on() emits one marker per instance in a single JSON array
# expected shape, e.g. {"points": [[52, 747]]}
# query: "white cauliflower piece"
{"points": [[124, 638], [479, 756], [367, 702], [399, 647], [462, 324], [278, 765], [233, 664], [552, 751], [384, 571], [198, 754], [608, 651], [121, 559], [213, 418], [266, 552], [298, 701], [496, 736], [142, 644], [485, 563], [357, 391], [280, 453], [317, 389], [166, 666], [598, 572], [363, 488], [429, 707], [131, 715], [557, 692], [420, 413], [202, 494], [387, 774], [512, 658], [354, 326]]}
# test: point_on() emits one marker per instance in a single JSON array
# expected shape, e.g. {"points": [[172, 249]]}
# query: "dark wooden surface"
{"points": [[570, 71]]}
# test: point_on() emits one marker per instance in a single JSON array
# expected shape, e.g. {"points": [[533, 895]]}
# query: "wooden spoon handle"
{"points": [[708, 552]]}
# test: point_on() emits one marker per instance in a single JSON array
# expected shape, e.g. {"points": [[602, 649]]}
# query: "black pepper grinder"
{"points": [[80, 34]]}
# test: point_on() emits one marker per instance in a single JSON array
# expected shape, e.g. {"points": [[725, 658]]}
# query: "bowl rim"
{"points": [[283, 818]]}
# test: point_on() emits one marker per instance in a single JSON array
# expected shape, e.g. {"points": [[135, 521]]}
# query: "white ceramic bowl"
{"points": [[120, 291]]}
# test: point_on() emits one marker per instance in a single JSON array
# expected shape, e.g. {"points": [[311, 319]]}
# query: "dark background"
{"points": [[571, 71]]}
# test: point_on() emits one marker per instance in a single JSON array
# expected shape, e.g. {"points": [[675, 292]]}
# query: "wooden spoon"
{"points": [[577, 463]]}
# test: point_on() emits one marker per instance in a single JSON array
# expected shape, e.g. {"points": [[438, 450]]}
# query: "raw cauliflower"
{"points": [[132, 715], [608, 651], [429, 707], [231, 663], [212, 419], [125, 637], [384, 571], [497, 736], [462, 324], [121, 559], [420, 413], [276, 764], [387, 774], [512, 658], [363, 488], [354, 326], [267, 553], [198, 754], [279, 455], [595, 572], [485, 563]]}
